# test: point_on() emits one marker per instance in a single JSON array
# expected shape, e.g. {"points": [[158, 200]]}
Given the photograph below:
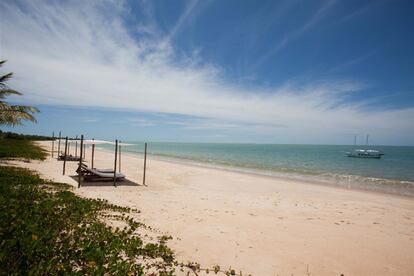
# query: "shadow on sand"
{"points": [[125, 182]]}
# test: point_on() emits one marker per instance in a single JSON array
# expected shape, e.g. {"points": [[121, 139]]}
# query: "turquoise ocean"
{"points": [[327, 164]]}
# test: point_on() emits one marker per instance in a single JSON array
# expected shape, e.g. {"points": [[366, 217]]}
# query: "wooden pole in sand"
{"points": [[53, 142], [145, 163], [59, 144], [84, 151], [116, 153], [68, 149], [80, 163], [64, 157], [76, 146], [119, 156], [93, 152]]}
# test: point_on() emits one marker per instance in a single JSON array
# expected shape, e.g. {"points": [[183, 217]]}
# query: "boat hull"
{"points": [[364, 156], [363, 153]]}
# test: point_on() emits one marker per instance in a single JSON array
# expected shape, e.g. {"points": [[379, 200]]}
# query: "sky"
{"points": [[297, 72]]}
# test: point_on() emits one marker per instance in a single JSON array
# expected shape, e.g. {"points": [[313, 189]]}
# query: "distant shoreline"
{"points": [[376, 185]]}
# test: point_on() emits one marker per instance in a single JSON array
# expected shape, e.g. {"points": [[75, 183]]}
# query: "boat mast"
{"points": [[366, 144], [355, 141]]}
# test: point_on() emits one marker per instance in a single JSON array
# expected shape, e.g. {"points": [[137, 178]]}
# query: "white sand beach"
{"points": [[259, 225]]}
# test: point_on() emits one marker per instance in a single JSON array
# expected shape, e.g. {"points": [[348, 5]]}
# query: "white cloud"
{"points": [[81, 54]]}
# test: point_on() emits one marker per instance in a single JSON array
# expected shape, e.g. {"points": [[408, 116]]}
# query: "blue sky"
{"points": [[214, 71]]}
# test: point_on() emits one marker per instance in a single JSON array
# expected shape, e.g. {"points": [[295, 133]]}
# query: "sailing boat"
{"points": [[364, 153]]}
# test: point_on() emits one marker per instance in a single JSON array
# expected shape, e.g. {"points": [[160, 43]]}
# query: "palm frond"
{"points": [[5, 78], [25, 108], [6, 92], [14, 114]]}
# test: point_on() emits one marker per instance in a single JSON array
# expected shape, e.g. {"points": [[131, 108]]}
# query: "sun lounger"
{"points": [[69, 157], [100, 170], [90, 174]]}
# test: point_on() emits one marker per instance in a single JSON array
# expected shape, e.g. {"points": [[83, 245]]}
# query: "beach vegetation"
{"points": [[11, 148], [46, 229], [12, 115], [19, 136]]}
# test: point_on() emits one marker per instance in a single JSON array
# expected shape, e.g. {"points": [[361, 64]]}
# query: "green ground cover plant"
{"points": [[46, 229], [20, 148]]}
